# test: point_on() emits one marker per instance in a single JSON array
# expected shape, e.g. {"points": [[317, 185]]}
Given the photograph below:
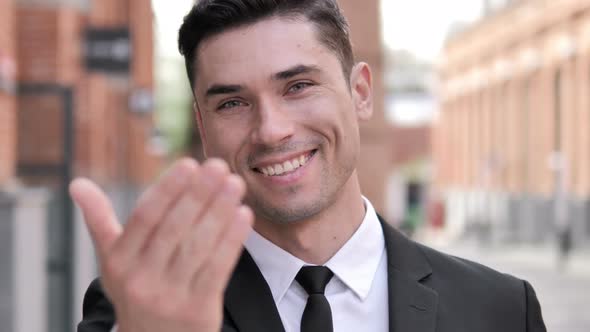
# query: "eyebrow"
{"points": [[223, 89], [220, 89], [294, 71]]}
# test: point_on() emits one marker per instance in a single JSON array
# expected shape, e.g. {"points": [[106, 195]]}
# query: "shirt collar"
{"points": [[278, 267], [355, 264]]}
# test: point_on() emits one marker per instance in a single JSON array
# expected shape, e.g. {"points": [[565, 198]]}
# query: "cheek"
{"points": [[339, 123], [225, 143], [325, 115]]}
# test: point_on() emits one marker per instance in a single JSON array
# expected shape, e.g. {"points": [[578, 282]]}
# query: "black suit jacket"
{"points": [[428, 291]]}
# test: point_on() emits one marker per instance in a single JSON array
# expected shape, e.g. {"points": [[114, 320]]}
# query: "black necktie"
{"points": [[317, 316]]}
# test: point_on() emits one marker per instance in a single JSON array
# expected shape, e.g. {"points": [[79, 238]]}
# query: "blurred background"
{"points": [[480, 143]]}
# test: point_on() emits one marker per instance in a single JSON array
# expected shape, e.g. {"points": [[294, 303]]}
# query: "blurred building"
{"points": [[7, 90], [408, 191], [103, 52], [44, 47], [375, 161], [512, 143], [76, 99], [410, 107]]}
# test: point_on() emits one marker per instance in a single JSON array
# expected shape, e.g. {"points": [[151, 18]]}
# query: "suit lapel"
{"points": [[249, 301], [412, 305]]}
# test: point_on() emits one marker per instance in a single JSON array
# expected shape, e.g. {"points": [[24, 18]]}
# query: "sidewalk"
{"points": [[539, 257]]}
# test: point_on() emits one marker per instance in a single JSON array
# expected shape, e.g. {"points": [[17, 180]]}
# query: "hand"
{"points": [[168, 268]]}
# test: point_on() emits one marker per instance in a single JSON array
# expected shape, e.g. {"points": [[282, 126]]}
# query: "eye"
{"points": [[231, 104], [298, 87]]}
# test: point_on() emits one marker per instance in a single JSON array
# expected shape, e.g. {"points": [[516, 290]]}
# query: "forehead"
{"points": [[260, 49]]}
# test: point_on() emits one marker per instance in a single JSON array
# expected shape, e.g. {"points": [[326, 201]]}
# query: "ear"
{"points": [[361, 85], [201, 128]]}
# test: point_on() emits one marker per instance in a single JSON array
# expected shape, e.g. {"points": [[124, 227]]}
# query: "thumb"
{"points": [[98, 214]]}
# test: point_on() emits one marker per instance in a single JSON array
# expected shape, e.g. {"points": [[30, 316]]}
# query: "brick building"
{"points": [[512, 143], [7, 96], [44, 76], [43, 40], [375, 162]]}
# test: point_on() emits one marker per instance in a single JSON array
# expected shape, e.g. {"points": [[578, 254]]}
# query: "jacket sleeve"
{"points": [[534, 317], [98, 314]]}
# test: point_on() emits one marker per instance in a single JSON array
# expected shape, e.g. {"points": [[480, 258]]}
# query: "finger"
{"points": [[203, 236], [215, 274], [98, 214], [153, 205], [201, 192]]}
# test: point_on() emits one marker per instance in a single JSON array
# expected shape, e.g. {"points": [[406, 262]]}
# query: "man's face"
{"points": [[273, 102]]}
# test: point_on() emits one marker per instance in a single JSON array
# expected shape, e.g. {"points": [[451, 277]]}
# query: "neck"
{"points": [[317, 239]]}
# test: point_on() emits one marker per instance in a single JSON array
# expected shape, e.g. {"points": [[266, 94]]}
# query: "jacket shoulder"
{"points": [[472, 293], [98, 314], [463, 270]]}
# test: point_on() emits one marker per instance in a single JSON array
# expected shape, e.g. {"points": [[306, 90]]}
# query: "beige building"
{"points": [[512, 143]]}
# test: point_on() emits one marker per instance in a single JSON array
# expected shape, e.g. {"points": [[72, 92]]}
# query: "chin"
{"points": [[288, 213]]}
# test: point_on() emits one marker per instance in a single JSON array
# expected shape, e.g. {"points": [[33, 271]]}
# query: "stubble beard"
{"points": [[305, 210]]}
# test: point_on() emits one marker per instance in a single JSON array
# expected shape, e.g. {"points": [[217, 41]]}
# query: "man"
{"points": [[278, 99]]}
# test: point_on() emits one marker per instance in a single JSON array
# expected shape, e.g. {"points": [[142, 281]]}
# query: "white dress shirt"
{"points": [[358, 291]]}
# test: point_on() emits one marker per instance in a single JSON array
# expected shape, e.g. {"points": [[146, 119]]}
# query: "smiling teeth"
{"points": [[285, 167]]}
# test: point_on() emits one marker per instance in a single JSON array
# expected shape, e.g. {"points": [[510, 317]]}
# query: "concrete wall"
{"points": [[23, 276], [6, 261]]}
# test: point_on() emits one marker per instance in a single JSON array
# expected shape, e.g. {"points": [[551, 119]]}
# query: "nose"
{"points": [[274, 124]]}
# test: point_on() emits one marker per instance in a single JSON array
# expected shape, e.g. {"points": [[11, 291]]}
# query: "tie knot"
{"points": [[314, 278]]}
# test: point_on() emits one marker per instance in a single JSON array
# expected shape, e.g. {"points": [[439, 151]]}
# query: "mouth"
{"points": [[286, 167]]}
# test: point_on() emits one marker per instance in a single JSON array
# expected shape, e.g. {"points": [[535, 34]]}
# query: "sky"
{"points": [[169, 14], [419, 26]]}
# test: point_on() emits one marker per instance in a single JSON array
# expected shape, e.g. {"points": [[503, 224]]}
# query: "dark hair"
{"points": [[211, 17]]}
